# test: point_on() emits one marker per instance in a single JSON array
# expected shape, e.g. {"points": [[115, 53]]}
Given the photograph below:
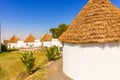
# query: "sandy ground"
{"points": [[54, 71]]}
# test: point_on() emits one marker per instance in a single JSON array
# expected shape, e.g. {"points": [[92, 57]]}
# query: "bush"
{"points": [[28, 60], [3, 48], [52, 53], [12, 49]]}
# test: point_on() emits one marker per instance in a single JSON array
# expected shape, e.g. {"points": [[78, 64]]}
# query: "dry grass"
{"points": [[11, 64]]}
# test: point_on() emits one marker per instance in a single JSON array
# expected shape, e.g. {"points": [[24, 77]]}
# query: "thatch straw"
{"points": [[30, 38], [98, 22], [13, 39], [46, 37]]}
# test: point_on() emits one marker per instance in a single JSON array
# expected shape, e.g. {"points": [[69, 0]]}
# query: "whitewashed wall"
{"points": [[92, 61], [29, 44], [47, 44], [56, 43], [12, 45], [37, 43], [20, 44]]}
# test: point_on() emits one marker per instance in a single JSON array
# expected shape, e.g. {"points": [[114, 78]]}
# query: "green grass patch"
{"points": [[11, 65]]}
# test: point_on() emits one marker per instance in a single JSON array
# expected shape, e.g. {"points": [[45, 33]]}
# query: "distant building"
{"points": [[46, 40], [32, 42], [29, 41], [12, 43]]}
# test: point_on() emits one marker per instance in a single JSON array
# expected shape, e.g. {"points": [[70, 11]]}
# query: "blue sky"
{"points": [[21, 17]]}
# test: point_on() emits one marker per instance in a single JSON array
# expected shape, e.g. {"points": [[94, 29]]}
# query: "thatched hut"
{"points": [[29, 40], [12, 42], [92, 43], [13, 39], [46, 40]]}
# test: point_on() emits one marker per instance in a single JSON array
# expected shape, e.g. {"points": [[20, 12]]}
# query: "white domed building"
{"points": [[46, 40], [12, 42], [31, 41], [91, 48]]}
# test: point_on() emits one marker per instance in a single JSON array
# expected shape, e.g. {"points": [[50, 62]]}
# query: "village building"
{"points": [[31, 41], [12, 42], [48, 41], [91, 49]]}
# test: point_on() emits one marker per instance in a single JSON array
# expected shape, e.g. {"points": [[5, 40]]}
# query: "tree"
{"points": [[28, 60], [56, 32]]}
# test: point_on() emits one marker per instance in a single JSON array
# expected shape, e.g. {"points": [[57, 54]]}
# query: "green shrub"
{"points": [[28, 60], [52, 53], [12, 49], [3, 48]]}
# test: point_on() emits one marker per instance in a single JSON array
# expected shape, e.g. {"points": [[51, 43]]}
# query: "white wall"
{"points": [[20, 44], [37, 43], [47, 44], [12, 45], [56, 43], [29, 44], [92, 61]]}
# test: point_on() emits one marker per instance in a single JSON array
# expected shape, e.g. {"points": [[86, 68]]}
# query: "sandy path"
{"points": [[54, 71]]}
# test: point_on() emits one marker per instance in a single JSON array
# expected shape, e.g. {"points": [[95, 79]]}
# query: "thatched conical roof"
{"points": [[46, 37], [98, 22], [30, 38], [13, 39]]}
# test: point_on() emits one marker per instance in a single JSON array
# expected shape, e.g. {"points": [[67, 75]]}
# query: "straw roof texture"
{"points": [[13, 39], [30, 38], [98, 22], [46, 37]]}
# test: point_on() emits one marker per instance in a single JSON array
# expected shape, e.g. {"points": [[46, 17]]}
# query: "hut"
{"points": [[46, 40], [12, 42], [92, 43], [29, 41]]}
